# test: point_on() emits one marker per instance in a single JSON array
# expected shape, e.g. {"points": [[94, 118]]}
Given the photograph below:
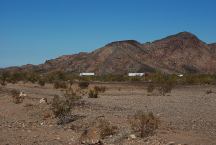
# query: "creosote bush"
{"points": [[93, 93], [83, 85], [144, 123]]}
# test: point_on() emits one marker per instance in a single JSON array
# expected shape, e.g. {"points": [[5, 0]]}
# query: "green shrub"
{"points": [[144, 123]]}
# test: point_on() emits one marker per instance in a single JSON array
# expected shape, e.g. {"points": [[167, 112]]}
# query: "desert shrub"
{"points": [[61, 106], [100, 89], [71, 97], [106, 129], [144, 123], [209, 92], [166, 87], [16, 98], [3, 83], [93, 93], [83, 85], [150, 88], [5, 75], [32, 77], [60, 84], [41, 82]]}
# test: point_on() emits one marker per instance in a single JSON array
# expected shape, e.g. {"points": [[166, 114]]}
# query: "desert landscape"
{"points": [[107, 72], [186, 115]]}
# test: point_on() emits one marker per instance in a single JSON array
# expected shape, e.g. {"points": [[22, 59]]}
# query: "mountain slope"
{"points": [[180, 53]]}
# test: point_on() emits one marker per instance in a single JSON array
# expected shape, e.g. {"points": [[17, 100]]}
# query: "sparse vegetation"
{"points": [[209, 92], [83, 85], [150, 88], [100, 89], [93, 93], [41, 82], [16, 98], [60, 84], [144, 123], [61, 106], [106, 129], [166, 87]]}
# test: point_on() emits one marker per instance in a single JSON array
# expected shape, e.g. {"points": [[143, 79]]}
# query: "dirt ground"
{"points": [[187, 114]]}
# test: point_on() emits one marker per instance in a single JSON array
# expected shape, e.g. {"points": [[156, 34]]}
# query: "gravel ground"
{"points": [[187, 115]]}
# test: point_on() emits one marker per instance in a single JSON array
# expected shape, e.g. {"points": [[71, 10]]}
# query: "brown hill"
{"points": [[180, 53]]}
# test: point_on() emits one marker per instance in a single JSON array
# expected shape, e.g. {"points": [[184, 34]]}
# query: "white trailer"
{"points": [[87, 74], [136, 74]]}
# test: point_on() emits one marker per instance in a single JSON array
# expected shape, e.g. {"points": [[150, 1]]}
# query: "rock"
{"points": [[43, 100], [133, 136], [90, 136]]}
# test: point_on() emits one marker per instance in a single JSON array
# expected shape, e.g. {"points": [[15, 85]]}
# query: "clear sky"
{"points": [[32, 31]]}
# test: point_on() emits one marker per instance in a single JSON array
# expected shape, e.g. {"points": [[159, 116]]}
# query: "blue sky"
{"points": [[32, 31]]}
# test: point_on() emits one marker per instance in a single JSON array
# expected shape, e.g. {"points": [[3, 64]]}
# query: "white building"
{"points": [[87, 74], [136, 74]]}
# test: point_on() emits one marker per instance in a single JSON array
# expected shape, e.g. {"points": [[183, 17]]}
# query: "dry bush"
{"points": [[3, 83], [100, 89], [16, 96], [71, 97], [60, 84], [106, 129], [166, 87], [144, 123], [93, 93], [61, 106], [83, 85], [41, 82], [209, 92], [150, 88]]}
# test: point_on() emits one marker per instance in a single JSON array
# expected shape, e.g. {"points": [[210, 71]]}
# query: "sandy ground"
{"points": [[187, 114]]}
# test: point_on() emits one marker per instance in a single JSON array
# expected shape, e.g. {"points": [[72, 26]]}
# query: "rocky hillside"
{"points": [[180, 53]]}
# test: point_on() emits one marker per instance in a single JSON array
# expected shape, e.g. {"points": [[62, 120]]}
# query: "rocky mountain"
{"points": [[180, 53]]}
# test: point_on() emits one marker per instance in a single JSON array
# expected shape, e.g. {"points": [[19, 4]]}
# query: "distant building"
{"points": [[180, 75], [136, 74], [87, 74]]}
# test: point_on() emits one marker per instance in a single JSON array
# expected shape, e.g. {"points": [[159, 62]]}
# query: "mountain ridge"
{"points": [[183, 52]]}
